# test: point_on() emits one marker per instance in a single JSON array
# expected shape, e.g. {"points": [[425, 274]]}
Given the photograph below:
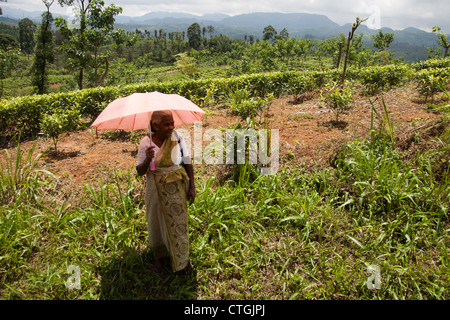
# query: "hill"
{"points": [[410, 43]]}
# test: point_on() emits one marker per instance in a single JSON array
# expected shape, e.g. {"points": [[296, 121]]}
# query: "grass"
{"points": [[298, 234]]}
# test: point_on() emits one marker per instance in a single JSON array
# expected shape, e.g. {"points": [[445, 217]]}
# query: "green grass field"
{"points": [[299, 234]]}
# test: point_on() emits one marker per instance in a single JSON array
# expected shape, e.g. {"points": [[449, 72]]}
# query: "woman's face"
{"points": [[165, 127]]}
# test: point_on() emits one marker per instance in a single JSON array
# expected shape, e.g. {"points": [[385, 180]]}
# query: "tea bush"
{"points": [[432, 80], [337, 98], [379, 78]]}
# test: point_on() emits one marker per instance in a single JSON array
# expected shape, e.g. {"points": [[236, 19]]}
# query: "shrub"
{"points": [[379, 78], [53, 125], [337, 98], [431, 64], [431, 81], [244, 105]]}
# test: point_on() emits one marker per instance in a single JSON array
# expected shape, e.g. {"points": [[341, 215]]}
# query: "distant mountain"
{"points": [[17, 14], [290, 21], [410, 43]]}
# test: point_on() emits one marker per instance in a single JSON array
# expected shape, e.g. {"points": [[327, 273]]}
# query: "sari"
{"points": [[166, 208]]}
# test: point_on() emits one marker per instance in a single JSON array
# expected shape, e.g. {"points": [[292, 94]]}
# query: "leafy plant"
{"points": [[432, 81], [62, 121], [337, 98], [378, 78], [20, 177], [243, 104]]}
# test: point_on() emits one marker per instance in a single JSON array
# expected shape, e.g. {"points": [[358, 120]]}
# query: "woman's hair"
{"points": [[158, 116]]}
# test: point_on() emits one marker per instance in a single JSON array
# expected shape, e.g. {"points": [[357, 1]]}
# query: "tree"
{"points": [[349, 40], [194, 34], [44, 54], [83, 44], [441, 39], [187, 65], [284, 34], [26, 35], [210, 29], [382, 40], [269, 33]]}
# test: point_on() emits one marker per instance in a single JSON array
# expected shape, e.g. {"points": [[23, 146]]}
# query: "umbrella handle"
{"points": [[152, 163]]}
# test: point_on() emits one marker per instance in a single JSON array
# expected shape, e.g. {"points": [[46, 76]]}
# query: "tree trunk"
{"points": [[80, 79], [339, 55], [103, 76], [350, 37], [349, 40]]}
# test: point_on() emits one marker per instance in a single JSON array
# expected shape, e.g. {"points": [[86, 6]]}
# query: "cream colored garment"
{"points": [[166, 204]]}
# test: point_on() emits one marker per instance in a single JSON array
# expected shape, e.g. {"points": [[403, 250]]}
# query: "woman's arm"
{"points": [[191, 190], [142, 168]]}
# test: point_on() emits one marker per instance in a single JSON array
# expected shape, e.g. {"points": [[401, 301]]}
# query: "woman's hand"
{"points": [[150, 153], [190, 194]]}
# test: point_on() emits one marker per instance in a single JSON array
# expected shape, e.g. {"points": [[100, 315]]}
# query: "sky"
{"points": [[396, 14]]}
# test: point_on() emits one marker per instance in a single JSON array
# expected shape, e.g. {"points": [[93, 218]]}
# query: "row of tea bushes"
{"points": [[24, 114]]}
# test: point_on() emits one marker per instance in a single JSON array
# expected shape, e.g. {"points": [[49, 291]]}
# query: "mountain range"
{"points": [[410, 43]]}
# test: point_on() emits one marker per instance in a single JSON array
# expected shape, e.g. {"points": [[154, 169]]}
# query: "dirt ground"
{"points": [[307, 133]]}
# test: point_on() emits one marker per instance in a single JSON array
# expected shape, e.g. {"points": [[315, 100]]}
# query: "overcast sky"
{"points": [[397, 14]]}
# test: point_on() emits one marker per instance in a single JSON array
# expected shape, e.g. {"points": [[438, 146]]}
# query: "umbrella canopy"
{"points": [[134, 112]]}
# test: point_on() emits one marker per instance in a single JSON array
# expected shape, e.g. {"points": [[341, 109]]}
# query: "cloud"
{"points": [[393, 13], [399, 13]]}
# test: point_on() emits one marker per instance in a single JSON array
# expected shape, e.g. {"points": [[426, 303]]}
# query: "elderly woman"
{"points": [[169, 186]]}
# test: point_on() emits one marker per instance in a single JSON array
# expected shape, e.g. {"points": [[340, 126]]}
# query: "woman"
{"points": [[169, 186]]}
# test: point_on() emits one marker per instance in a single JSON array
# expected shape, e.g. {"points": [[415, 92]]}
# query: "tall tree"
{"points": [[26, 35], [44, 54], [383, 40], [210, 29], [194, 34], [284, 34], [269, 33], [95, 28]]}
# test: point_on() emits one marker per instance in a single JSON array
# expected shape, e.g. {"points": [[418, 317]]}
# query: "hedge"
{"points": [[24, 113]]}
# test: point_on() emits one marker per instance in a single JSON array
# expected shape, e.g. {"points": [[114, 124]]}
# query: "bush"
{"points": [[337, 98], [379, 78], [432, 80], [431, 64], [244, 105], [24, 113], [53, 125]]}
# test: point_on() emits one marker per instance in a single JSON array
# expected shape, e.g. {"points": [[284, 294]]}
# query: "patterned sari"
{"points": [[166, 204]]}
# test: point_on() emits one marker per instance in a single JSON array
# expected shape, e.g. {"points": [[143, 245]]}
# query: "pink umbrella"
{"points": [[134, 112]]}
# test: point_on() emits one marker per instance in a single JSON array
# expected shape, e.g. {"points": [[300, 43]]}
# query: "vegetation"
{"points": [[338, 98], [44, 54], [302, 233], [299, 234]]}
